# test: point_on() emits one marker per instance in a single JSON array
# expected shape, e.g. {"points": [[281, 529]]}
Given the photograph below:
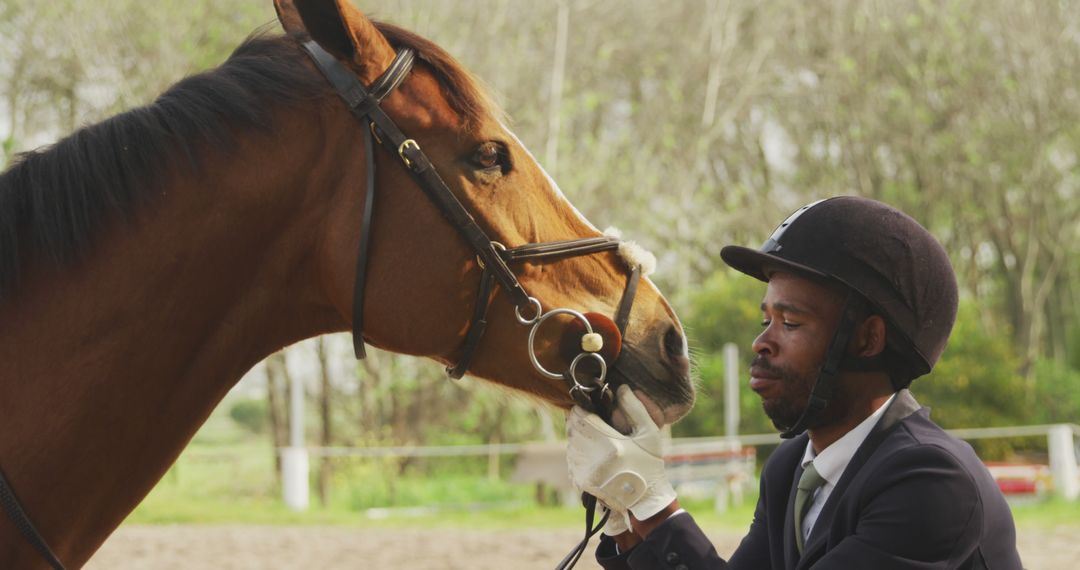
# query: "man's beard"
{"points": [[785, 411]]}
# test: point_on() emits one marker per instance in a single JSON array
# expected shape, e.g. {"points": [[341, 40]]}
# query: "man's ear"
{"points": [[869, 338]]}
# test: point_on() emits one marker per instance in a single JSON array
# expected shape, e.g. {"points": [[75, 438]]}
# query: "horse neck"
{"points": [[107, 369]]}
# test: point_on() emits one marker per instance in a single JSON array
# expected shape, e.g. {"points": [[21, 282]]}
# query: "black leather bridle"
{"points": [[593, 394], [491, 255]]}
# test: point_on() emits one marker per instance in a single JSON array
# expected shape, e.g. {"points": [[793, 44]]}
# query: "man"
{"points": [[860, 301]]}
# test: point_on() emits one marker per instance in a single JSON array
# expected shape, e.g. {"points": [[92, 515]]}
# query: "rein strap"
{"points": [[14, 511]]}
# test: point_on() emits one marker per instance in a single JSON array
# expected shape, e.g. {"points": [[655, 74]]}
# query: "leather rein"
{"points": [[593, 394]]}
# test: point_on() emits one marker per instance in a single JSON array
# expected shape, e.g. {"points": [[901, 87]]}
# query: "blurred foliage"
{"points": [[726, 309], [975, 384], [1058, 396], [67, 63], [250, 414]]}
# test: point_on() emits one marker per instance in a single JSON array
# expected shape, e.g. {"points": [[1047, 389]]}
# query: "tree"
{"points": [[277, 389], [326, 433], [975, 383], [252, 415]]}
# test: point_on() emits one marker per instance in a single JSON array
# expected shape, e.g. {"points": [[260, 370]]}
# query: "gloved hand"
{"points": [[617, 523], [625, 472]]}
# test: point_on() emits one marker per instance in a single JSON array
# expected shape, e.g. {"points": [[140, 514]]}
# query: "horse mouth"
{"points": [[666, 390], [664, 416], [661, 415]]}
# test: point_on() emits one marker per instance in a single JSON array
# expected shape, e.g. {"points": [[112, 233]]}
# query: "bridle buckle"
{"points": [[408, 143], [494, 245]]}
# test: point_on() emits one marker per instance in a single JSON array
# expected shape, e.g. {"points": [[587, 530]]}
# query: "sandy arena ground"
{"points": [[273, 548]]}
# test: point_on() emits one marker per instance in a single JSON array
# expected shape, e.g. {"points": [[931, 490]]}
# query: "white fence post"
{"points": [[1063, 461], [731, 390], [294, 477], [294, 459]]}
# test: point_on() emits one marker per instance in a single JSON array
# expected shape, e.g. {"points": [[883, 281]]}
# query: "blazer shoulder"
{"points": [[785, 457], [918, 430], [919, 446]]}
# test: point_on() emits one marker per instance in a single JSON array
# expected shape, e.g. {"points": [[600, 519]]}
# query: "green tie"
{"points": [[808, 483]]}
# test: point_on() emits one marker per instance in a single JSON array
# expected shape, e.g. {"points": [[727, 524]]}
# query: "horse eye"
{"points": [[488, 156]]}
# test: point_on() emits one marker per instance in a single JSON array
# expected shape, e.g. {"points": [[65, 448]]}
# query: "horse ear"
{"points": [[340, 29], [289, 17]]}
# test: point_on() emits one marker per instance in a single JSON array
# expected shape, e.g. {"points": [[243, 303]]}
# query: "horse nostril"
{"points": [[674, 344]]}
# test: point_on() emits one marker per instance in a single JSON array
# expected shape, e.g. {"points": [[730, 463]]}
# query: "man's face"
{"points": [[799, 317]]}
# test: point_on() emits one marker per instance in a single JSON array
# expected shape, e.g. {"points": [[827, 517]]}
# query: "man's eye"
{"points": [[489, 156], [787, 325]]}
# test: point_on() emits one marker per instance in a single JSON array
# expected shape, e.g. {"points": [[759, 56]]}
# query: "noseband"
{"points": [[493, 257]]}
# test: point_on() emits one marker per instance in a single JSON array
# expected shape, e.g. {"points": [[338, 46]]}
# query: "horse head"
{"points": [[422, 276]]}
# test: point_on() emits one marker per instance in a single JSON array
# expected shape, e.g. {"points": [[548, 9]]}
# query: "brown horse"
{"points": [[148, 261]]}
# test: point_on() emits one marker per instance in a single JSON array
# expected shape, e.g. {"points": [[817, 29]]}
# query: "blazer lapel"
{"points": [[902, 406]]}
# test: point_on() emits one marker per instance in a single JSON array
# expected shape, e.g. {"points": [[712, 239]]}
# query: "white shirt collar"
{"points": [[833, 460]]}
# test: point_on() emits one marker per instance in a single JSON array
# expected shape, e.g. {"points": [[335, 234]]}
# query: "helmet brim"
{"points": [[760, 265]]}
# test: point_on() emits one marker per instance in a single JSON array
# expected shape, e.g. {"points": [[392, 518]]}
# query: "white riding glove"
{"points": [[617, 523], [625, 472]]}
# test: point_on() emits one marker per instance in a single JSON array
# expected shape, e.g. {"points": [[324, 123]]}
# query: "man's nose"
{"points": [[763, 344]]}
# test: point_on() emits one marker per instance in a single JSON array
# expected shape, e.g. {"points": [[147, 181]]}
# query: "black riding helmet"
{"points": [[883, 256]]}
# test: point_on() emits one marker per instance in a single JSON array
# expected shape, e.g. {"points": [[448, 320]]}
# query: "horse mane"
{"points": [[55, 201]]}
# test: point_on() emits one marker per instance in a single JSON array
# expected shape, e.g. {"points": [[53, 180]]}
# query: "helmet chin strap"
{"points": [[835, 358]]}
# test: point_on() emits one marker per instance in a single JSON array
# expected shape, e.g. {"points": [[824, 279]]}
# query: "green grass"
{"points": [[229, 482], [1048, 513], [223, 480], [160, 508]]}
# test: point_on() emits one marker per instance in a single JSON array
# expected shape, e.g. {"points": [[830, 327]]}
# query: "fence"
{"points": [[691, 459]]}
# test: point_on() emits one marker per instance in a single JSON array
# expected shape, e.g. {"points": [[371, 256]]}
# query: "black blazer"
{"points": [[912, 497]]}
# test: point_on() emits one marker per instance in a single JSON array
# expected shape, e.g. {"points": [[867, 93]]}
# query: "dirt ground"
{"points": [[272, 548]]}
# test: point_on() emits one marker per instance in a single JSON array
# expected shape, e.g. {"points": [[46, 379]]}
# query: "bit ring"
{"points": [[536, 326], [533, 302]]}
